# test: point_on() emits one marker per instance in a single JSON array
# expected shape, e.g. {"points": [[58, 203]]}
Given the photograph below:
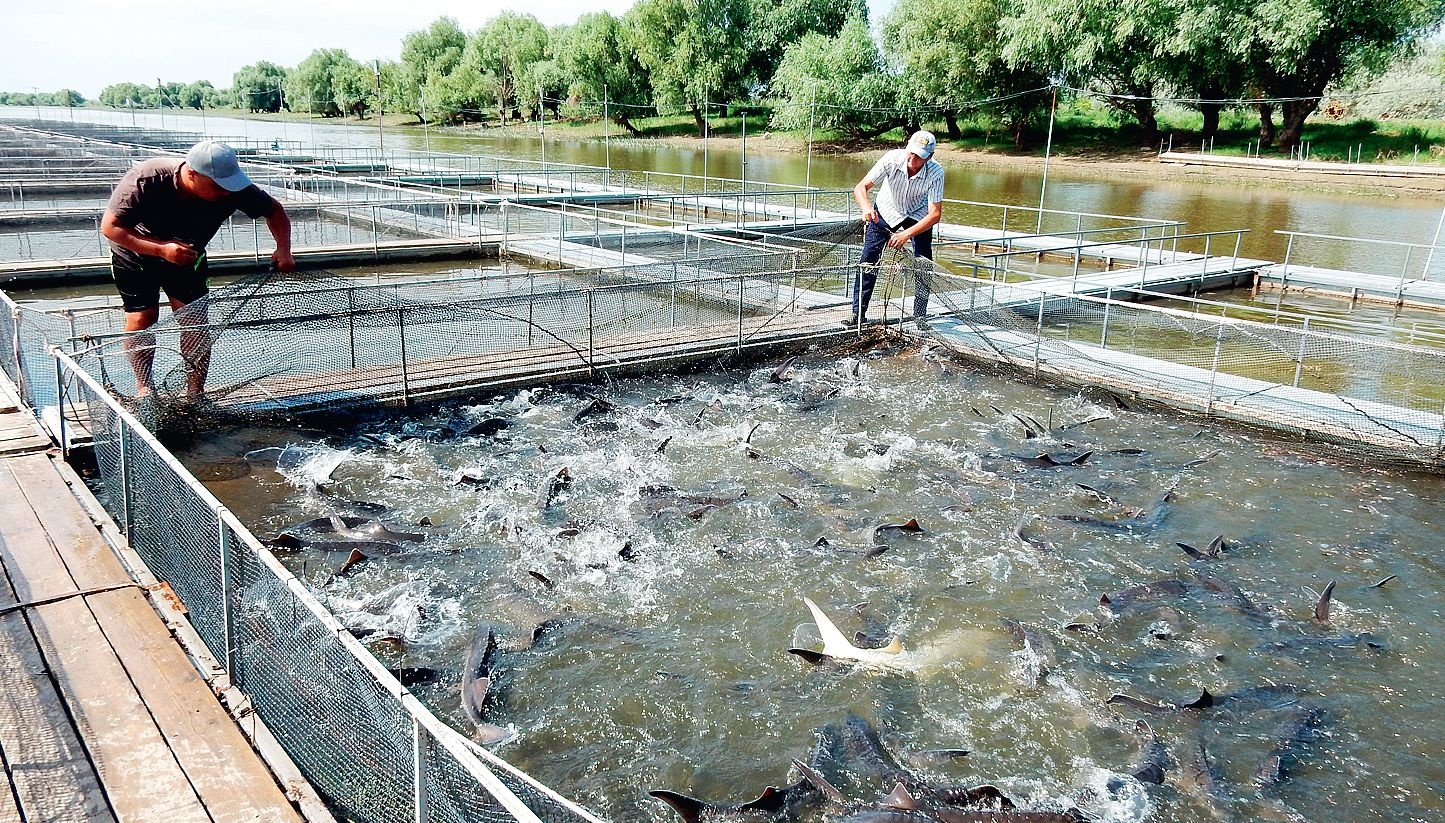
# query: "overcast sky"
{"points": [[86, 44]]}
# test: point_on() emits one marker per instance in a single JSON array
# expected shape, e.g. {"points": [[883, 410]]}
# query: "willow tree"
{"points": [[597, 60], [502, 51], [837, 83], [1300, 47], [427, 53], [951, 54], [691, 49]]}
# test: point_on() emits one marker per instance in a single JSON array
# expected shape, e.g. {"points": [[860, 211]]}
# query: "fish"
{"points": [[488, 427], [661, 447], [1322, 606], [1235, 598], [542, 578], [1040, 649], [783, 373], [1298, 728], [1141, 522], [1364, 641], [1381, 583], [837, 647], [771, 802], [1103, 496], [371, 530], [851, 755], [1198, 775], [596, 408], [478, 671], [1146, 593], [1209, 552], [552, 487], [884, 529], [1020, 532], [1046, 460], [371, 548], [1153, 758]]}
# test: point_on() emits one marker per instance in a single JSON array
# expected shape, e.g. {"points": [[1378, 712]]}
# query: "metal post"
{"points": [[812, 103], [1048, 149], [591, 336], [1214, 367], [420, 811], [1039, 334], [1400, 289], [531, 283], [380, 130], [706, 127], [60, 407], [1283, 277], [405, 377], [740, 313], [351, 323], [227, 625], [256, 241], [1108, 303], [375, 237], [606, 140], [745, 156], [21, 383], [127, 518], [1299, 361]]}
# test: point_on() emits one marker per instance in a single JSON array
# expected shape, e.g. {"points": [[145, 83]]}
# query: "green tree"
{"points": [[124, 95], [950, 54], [1112, 45], [691, 49], [839, 81], [426, 53], [353, 87], [70, 98], [597, 58], [1301, 46], [501, 52], [1204, 56], [774, 24], [309, 86], [197, 95], [259, 87]]}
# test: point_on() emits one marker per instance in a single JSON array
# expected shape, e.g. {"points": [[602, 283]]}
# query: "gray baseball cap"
{"points": [[218, 162], [922, 144]]}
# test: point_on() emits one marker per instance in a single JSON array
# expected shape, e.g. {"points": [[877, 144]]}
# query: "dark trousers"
{"points": [[875, 239]]}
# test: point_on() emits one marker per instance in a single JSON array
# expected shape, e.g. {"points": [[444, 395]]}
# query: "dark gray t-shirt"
{"points": [[148, 201]]}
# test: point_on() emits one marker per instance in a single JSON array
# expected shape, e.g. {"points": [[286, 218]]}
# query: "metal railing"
{"points": [[370, 747], [1402, 278]]}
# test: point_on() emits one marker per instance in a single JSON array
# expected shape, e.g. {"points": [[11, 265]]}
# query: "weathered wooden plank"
{"points": [[139, 771], [90, 560], [222, 767], [9, 805], [52, 776], [35, 569]]}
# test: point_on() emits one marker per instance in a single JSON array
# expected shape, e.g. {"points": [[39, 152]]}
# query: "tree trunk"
{"points": [[1019, 129], [1292, 121], [697, 119], [1211, 121], [623, 121], [951, 119], [1266, 124], [1143, 111]]}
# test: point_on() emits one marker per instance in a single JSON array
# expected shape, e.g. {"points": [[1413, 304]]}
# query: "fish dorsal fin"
{"points": [[899, 798], [338, 525], [835, 644], [816, 658], [1204, 701], [821, 783], [1322, 606], [1215, 546], [771, 800], [690, 809]]}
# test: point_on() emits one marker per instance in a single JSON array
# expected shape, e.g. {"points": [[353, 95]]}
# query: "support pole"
{"points": [[1048, 149], [812, 109]]}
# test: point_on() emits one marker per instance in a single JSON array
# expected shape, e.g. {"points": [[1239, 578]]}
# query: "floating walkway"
{"points": [[102, 716]]}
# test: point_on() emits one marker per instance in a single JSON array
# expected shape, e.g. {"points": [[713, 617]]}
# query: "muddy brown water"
{"points": [[663, 661]]}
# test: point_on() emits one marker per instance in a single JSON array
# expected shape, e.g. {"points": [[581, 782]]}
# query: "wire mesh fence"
{"points": [[361, 739]]}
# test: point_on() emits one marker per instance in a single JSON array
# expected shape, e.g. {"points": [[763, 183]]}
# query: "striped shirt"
{"points": [[903, 196]]}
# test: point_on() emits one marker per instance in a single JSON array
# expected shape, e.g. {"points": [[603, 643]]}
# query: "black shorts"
{"points": [[140, 284]]}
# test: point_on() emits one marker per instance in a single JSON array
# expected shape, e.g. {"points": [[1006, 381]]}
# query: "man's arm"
{"points": [[127, 238], [935, 213], [860, 193], [279, 225]]}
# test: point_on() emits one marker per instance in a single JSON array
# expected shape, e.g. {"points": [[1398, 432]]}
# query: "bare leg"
{"points": [[195, 347], [141, 348]]}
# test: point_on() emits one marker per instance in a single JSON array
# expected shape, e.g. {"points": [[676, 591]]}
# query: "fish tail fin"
{"points": [[690, 809]]}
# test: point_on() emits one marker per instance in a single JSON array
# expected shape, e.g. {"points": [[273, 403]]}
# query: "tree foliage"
{"points": [[598, 59], [258, 87], [836, 83], [773, 25], [691, 50], [434, 51], [311, 86], [501, 52], [950, 54]]}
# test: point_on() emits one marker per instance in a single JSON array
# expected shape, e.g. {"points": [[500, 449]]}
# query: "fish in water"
{"points": [[1322, 606], [1209, 552], [553, 486], [1298, 728], [1046, 460], [371, 548], [851, 754], [837, 647], [771, 802], [1041, 656], [596, 408], [478, 672], [784, 372], [1145, 594], [359, 529], [883, 530], [1153, 760], [1364, 641]]}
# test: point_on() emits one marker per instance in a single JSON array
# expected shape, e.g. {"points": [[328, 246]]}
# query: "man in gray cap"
{"points": [[158, 221], [910, 203]]}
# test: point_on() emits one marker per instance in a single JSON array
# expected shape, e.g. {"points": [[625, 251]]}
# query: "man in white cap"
{"points": [[910, 203], [158, 221]]}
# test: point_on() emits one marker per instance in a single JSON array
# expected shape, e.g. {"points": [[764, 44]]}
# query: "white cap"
{"points": [[218, 162], [922, 144]]}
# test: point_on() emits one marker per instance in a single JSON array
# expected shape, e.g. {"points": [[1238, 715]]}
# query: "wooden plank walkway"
{"points": [[102, 715]]}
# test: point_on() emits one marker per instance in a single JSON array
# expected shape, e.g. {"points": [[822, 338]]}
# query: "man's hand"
{"points": [[898, 238], [870, 216], [179, 254], [283, 261]]}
